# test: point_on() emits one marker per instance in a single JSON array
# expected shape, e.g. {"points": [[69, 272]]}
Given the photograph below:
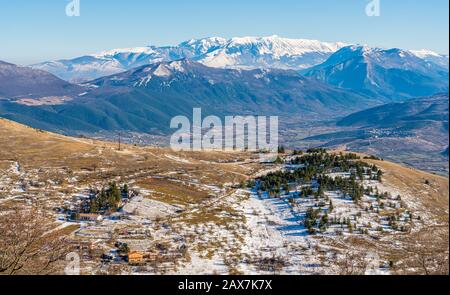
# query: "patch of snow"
{"points": [[162, 71], [178, 159]]}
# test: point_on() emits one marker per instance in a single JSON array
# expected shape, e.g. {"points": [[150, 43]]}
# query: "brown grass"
{"points": [[173, 192], [433, 197]]}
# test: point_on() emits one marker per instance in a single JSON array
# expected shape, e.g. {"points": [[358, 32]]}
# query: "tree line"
{"points": [[106, 199]]}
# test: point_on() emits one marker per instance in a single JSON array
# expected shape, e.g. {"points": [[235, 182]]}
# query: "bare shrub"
{"points": [[352, 263], [29, 244]]}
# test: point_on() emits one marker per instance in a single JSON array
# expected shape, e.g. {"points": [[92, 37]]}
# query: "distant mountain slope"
{"points": [[18, 81], [246, 53], [414, 132], [389, 73], [147, 98], [419, 111], [270, 91], [433, 57]]}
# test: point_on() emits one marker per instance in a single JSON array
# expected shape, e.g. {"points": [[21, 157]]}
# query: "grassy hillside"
{"points": [[195, 199]]}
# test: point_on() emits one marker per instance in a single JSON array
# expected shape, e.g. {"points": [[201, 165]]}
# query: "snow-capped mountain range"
{"points": [[244, 53], [235, 53], [171, 82], [146, 98], [390, 73]]}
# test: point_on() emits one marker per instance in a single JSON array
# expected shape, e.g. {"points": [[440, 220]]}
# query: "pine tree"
{"points": [[379, 176], [125, 190]]}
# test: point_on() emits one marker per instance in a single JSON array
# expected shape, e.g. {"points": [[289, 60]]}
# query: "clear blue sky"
{"points": [[38, 30]]}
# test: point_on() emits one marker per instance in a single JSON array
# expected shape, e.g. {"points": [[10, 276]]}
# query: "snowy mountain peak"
{"points": [[208, 41], [204, 43], [362, 49], [269, 52], [373, 54], [432, 57], [162, 71], [284, 46], [143, 75], [423, 53], [115, 52], [167, 69]]}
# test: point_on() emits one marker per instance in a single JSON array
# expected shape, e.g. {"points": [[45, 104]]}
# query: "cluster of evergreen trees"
{"points": [[107, 199], [314, 165], [373, 158], [393, 222], [314, 219], [321, 158], [348, 186]]}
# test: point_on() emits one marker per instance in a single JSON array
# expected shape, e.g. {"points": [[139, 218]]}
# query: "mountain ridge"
{"points": [[17, 81], [414, 132], [238, 52], [144, 99], [394, 74]]}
